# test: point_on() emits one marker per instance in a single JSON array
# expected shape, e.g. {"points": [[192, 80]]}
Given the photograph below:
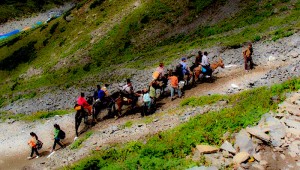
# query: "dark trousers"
{"points": [[246, 60], [208, 70], [134, 99], [57, 141], [34, 150]]}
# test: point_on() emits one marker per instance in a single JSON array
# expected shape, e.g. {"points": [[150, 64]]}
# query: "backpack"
{"points": [[39, 144], [61, 134]]}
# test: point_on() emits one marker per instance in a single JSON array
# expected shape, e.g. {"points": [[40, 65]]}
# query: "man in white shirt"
{"points": [[205, 63], [128, 89]]}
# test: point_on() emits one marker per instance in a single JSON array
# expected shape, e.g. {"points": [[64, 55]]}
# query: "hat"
{"points": [[183, 58]]}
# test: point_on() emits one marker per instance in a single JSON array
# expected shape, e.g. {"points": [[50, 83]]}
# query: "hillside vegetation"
{"points": [[100, 36], [171, 149], [13, 9]]}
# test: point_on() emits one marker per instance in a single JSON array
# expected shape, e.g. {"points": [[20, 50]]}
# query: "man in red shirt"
{"points": [[82, 102]]}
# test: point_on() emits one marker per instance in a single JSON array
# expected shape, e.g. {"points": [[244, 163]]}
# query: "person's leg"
{"points": [[172, 92], [246, 63], [53, 148], [179, 92], [32, 151], [251, 63], [36, 151]]}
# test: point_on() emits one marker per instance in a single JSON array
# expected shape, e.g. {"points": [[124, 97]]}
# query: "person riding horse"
{"points": [[82, 102], [206, 65], [129, 93]]}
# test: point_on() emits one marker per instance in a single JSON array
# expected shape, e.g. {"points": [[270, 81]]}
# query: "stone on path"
{"points": [[257, 132], [240, 157], [206, 149], [228, 147]]}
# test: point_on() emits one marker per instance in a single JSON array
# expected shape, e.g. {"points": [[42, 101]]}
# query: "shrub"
{"points": [[96, 3], [53, 28]]}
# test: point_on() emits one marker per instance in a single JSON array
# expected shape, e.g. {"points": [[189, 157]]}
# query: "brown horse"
{"points": [[123, 99], [198, 70]]}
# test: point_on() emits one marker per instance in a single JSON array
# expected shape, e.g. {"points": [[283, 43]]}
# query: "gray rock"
{"points": [[277, 131], [257, 132], [240, 157], [243, 142], [228, 147]]}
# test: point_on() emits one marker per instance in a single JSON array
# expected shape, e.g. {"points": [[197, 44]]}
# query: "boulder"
{"points": [[206, 149], [228, 147], [257, 132], [243, 142], [277, 131], [292, 123], [240, 157]]}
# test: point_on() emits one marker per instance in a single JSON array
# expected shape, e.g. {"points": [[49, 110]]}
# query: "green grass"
{"points": [[128, 124], [168, 150], [34, 116], [64, 52], [12, 9], [203, 100], [78, 142]]}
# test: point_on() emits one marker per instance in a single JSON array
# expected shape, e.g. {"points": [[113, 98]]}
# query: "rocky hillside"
{"points": [[109, 41], [14, 9]]}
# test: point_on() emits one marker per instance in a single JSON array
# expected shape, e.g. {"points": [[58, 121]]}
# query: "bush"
{"points": [[96, 3], [53, 28]]}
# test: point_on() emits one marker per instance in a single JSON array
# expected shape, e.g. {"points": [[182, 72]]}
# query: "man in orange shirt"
{"points": [[82, 102], [247, 54], [174, 85]]}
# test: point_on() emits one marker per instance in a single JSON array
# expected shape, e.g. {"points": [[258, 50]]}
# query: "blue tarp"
{"points": [[9, 34]]}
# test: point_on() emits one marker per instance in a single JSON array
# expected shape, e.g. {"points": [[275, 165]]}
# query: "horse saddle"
{"points": [[203, 70]]}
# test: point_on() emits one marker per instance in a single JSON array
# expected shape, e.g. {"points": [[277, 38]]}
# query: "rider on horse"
{"points": [[198, 59], [128, 91], [205, 64], [99, 94], [82, 102]]}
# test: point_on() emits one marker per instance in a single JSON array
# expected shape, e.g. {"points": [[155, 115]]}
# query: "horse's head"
{"points": [[220, 63]]}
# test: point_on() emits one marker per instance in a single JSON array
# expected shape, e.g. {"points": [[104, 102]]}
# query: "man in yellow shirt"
{"points": [[247, 54]]}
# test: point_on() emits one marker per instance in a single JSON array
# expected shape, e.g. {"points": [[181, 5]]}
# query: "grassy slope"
{"points": [[63, 51], [168, 150], [14, 9]]}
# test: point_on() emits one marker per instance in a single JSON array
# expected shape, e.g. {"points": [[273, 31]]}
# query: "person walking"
{"points": [[174, 86], [57, 137], [247, 54], [33, 144]]}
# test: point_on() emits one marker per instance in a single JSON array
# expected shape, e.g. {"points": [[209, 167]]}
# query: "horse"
{"points": [[122, 99], [161, 84], [108, 103], [81, 113], [198, 70]]}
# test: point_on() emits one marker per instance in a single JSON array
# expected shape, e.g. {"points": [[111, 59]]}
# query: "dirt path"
{"points": [[14, 136]]}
